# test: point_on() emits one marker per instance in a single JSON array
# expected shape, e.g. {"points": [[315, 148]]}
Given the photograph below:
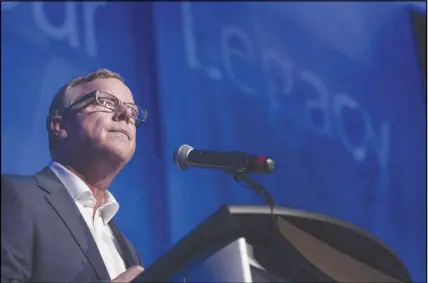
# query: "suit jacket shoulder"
{"points": [[20, 190], [17, 185]]}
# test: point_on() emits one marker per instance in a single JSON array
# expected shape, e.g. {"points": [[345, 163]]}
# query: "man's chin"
{"points": [[120, 154]]}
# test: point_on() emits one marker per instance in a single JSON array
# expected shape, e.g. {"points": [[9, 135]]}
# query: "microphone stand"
{"points": [[242, 175]]}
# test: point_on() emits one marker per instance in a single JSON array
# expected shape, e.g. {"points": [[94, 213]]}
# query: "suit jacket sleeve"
{"points": [[16, 233]]}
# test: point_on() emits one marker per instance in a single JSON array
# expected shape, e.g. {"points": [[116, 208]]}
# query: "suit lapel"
{"points": [[126, 250], [61, 201]]}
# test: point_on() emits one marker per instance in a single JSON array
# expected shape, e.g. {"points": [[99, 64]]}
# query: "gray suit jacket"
{"points": [[45, 238]]}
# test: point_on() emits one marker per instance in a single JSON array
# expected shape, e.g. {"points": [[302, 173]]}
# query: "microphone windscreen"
{"points": [[180, 156]]}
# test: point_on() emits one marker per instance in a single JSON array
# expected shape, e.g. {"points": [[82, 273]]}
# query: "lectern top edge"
{"points": [[302, 214]]}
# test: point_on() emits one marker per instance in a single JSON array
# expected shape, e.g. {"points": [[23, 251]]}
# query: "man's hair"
{"points": [[63, 99]]}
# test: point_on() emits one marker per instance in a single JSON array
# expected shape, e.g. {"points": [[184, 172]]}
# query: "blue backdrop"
{"points": [[333, 91]]}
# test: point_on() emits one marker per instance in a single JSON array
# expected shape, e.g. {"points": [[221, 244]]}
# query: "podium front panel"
{"points": [[229, 264]]}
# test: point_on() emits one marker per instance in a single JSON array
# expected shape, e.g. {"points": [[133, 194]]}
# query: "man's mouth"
{"points": [[122, 131]]}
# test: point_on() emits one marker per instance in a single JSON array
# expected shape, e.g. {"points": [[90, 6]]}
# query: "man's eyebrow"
{"points": [[113, 93]]}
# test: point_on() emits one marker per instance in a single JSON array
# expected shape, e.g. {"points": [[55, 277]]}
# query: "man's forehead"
{"points": [[109, 85]]}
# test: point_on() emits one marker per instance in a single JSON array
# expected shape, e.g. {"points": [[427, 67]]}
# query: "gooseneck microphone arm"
{"points": [[242, 175]]}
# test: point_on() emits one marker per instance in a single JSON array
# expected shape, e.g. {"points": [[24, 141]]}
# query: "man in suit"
{"points": [[58, 224]]}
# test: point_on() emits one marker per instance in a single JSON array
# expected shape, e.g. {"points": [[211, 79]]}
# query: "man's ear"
{"points": [[58, 126]]}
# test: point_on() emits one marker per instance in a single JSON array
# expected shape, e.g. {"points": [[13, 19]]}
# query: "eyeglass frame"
{"points": [[93, 94]]}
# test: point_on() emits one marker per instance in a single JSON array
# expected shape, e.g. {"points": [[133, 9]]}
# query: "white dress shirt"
{"points": [[98, 224]]}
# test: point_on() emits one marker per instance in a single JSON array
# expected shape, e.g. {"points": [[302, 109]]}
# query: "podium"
{"points": [[260, 244]]}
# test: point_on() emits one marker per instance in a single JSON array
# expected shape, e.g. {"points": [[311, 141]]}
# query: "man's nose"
{"points": [[123, 112]]}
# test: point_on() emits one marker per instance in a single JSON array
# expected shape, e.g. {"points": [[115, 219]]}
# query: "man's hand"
{"points": [[129, 275]]}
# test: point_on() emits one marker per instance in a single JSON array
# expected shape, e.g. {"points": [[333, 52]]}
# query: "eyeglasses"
{"points": [[111, 102]]}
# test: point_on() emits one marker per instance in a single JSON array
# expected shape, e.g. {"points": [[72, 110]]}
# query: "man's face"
{"points": [[95, 130]]}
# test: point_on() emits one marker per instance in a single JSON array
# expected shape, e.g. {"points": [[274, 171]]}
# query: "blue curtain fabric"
{"points": [[332, 91]]}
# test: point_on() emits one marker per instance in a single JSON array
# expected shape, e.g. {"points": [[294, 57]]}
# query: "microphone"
{"points": [[186, 156]]}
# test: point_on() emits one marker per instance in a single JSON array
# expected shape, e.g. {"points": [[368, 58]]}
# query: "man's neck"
{"points": [[96, 176]]}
